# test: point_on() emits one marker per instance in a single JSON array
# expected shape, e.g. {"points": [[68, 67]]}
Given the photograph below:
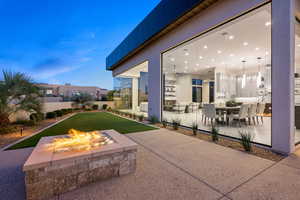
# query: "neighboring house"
{"points": [[192, 60], [67, 91]]}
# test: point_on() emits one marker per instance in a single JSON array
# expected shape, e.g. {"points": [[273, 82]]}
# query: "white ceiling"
{"points": [[135, 71], [226, 47]]}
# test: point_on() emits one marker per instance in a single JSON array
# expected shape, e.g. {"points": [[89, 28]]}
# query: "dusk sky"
{"points": [[66, 41]]}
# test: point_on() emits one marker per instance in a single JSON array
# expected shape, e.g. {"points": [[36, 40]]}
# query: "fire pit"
{"points": [[62, 163]]}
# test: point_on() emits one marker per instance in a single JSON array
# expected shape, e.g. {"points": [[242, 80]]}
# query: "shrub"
{"points": [[95, 107], [70, 110], [8, 129], [246, 139], [87, 109], [59, 113], [153, 119], [104, 107], [64, 111], [164, 123], [195, 128], [134, 116], [109, 109], [50, 115], [76, 109], [130, 115], [214, 134], [175, 123], [37, 117], [141, 117]]}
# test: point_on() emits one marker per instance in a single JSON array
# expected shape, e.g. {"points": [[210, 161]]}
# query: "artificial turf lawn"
{"points": [[86, 122]]}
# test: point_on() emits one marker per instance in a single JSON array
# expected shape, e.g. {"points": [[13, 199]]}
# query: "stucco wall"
{"points": [[211, 17], [52, 106]]}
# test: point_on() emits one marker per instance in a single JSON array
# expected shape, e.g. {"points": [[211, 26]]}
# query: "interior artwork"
{"points": [[223, 78]]}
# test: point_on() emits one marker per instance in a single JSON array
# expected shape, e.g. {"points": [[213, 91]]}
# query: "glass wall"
{"points": [[123, 93], [223, 78], [132, 90]]}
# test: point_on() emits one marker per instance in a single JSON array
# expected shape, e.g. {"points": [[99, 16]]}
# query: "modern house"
{"points": [[67, 91], [229, 63]]}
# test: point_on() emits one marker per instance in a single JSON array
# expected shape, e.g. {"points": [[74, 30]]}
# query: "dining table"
{"points": [[225, 111]]}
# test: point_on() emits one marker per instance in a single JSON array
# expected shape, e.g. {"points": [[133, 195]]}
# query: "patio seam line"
{"points": [[251, 178], [181, 169]]}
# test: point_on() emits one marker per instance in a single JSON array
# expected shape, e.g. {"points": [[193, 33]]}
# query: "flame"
{"points": [[79, 140]]}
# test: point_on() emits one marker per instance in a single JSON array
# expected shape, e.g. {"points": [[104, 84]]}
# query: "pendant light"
{"points": [[258, 80], [244, 75]]}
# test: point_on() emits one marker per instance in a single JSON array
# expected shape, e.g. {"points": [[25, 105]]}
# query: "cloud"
{"points": [[51, 67]]}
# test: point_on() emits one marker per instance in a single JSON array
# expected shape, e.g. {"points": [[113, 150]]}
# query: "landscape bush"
{"points": [[214, 134], [50, 115], [104, 107], [59, 113], [164, 123], [8, 129], [195, 128], [176, 123], [95, 107], [141, 117], [246, 139], [153, 119]]}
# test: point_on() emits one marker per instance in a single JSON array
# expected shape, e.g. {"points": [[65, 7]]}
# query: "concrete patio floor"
{"points": [[174, 166]]}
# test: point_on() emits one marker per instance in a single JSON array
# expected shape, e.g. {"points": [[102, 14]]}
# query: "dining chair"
{"points": [[260, 112], [252, 113], [204, 111], [211, 113], [242, 114]]}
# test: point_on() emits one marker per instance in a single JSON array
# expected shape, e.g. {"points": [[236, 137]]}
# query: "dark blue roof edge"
{"points": [[164, 14]]}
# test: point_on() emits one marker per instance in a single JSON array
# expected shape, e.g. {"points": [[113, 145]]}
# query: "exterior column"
{"points": [[283, 54], [135, 93], [154, 96]]}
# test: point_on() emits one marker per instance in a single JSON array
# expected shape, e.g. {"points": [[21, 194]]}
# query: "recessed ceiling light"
{"points": [[223, 63], [267, 53], [245, 43], [185, 61], [197, 64], [298, 45], [207, 66], [231, 37], [267, 23], [205, 47], [213, 60], [231, 55], [200, 57], [256, 49], [172, 59], [186, 53], [219, 51]]}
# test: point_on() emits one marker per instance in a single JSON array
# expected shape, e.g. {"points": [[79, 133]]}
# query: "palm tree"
{"points": [[82, 100], [17, 92]]}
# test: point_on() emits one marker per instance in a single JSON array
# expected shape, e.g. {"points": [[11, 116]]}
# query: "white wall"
{"points": [[212, 16]]}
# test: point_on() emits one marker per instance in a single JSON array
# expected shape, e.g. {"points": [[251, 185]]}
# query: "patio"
{"points": [[174, 166]]}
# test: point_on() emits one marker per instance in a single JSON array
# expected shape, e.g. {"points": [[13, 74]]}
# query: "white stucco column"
{"points": [[154, 84], [135, 93], [283, 44]]}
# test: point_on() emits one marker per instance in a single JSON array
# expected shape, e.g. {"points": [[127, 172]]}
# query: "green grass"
{"points": [[86, 122]]}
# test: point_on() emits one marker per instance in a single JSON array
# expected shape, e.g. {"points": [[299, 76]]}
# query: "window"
{"points": [[223, 76]]}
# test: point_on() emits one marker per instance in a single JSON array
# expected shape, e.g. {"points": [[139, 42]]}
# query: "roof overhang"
{"points": [[167, 15]]}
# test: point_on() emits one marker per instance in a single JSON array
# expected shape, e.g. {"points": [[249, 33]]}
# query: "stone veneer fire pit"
{"points": [[49, 173]]}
